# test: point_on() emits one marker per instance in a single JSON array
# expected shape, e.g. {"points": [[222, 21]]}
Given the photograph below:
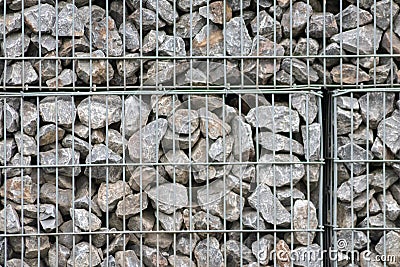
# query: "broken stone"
{"points": [[263, 247], [49, 133], [98, 111], [147, 20], [129, 35], [13, 74], [153, 37], [372, 105], [66, 77], [347, 74], [352, 152], [173, 46], [131, 205], [384, 12], [304, 217], [299, 69], [84, 254], [345, 19], [269, 28], [322, 23], [46, 20], [61, 156], [169, 197], [347, 121], [15, 45], [9, 220], [187, 27], [179, 173], [143, 145], [264, 201], [207, 252], [295, 19], [237, 44], [70, 22], [93, 71], [312, 140]]}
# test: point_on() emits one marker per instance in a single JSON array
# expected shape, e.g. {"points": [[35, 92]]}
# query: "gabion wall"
{"points": [[190, 133]]}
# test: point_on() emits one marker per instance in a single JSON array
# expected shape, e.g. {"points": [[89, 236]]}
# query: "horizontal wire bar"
{"points": [[320, 229], [160, 164]]}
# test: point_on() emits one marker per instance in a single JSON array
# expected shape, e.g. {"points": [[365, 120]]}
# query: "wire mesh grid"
{"points": [[158, 179], [365, 171]]}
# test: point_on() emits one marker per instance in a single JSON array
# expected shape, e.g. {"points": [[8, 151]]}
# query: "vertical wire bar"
{"points": [[335, 175]]}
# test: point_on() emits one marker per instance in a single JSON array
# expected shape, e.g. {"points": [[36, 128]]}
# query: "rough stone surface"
{"points": [[295, 21], [233, 39]]}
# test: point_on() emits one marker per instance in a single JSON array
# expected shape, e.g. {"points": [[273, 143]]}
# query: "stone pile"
{"points": [[65, 38], [368, 195], [175, 163]]}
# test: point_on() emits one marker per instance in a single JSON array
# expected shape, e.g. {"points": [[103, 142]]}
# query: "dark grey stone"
{"points": [[173, 46], [85, 220], [12, 23], [263, 247], [8, 147], [61, 156], [188, 25], [209, 41], [9, 220], [15, 45], [84, 254], [69, 22], [65, 78], [95, 71], [372, 105], [48, 68], [388, 131], [13, 74], [268, 27], [58, 260], [185, 5], [347, 121], [153, 37], [298, 15], [312, 141], [131, 36], [164, 9], [207, 252], [389, 245], [322, 23], [49, 193], [148, 19], [383, 10], [131, 204], [346, 18], [299, 69], [305, 104], [351, 152]]}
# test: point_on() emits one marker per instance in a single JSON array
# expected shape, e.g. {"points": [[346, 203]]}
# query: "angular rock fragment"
{"points": [[352, 152], [148, 19], [15, 45], [207, 252], [169, 197], [13, 74], [164, 9], [347, 121], [69, 22], [45, 17], [84, 254], [105, 36], [85, 220], [61, 156], [98, 111], [294, 20], [9, 220], [388, 132], [348, 74], [93, 71], [345, 19], [304, 217], [312, 140], [12, 23], [154, 39], [131, 205], [143, 145], [376, 106], [64, 78], [49, 133], [268, 27], [188, 25], [173, 46], [209, 41], [263, 201], [300, 70], [237, 44], [129, 35], [384, 12], [322, 23]]}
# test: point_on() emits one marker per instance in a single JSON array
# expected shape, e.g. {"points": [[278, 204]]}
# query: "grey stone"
{"points": [[47, 68], [142, 223], [383, 10], [359, 40], [212, 125], [152, 257], [185, 243], [12, 120], [64, 78], [67, 240], [299, 69], [321, 23], [389, 205], [304, 217], [16, 263], [80, 45], [13, 74], [312, 140], [374, 103], [32, 249], [252, 219], [98, 111], [216, 11], [126, 258], [237, 44], [29, 122], [374, 209], [145, 177], [76, 143], [243, 147], [266, 67], [15, 45], [362, 136], [9, 147], [131, 204], [351, 152], [263, 200], [178, 173], [185, 5], [376, 221], [48, 134], [332, 49], [388, 132], [61, 156], [312, 255], [363, 3], [263, 247], [20, 190], [381, 73], [223, 203], [221, 149], [347, 74], [60, 109], [280, 174], [109, 194], [148, 138], [59, 260], [345, 19], [237, 252], [286, 194], [169, 197], [9, 220], [48, 216], [352, 188], [172, 46], [207, 252], [306, 47], [171, 222], [127, 69], [153, 37], [380, 151], [305, 104], [164, 9], [391, 42], [85, 220], [46, 20], [84, 254], [131, 36], [103, 38], [12, 23], [279, 143], [389, 245], [188, 25], [209, 41], [117, 12], [268, 27], [16, 160], [49, 193], [70, 22], [295, 19], [81, 130], [94, 71], [274, 118], [148, 19], [346, 102], [347, 121], [282, 77], [184, 121], [180, 261], [136, 113]]}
